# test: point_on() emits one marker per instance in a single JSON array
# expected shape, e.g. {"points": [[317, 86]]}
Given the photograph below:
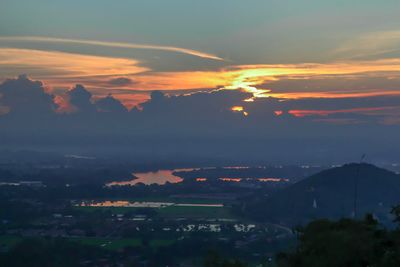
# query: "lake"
{"points": [[160, 177], [142, 204]]}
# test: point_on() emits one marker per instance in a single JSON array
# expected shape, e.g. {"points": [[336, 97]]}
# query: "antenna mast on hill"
{"points": [[356, 185]]}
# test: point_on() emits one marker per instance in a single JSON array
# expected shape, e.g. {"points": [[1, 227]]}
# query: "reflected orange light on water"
{"points": [[236, 180], [304, 113], [272, 180]]}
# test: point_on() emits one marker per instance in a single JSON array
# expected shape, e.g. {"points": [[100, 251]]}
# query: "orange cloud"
{"points": [[250, 77], [366, 111], [332, 94], [3, 110], [60, 67]]}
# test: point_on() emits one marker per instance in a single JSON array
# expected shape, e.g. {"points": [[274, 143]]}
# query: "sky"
{"points": [[185, 45], [335, 62]]}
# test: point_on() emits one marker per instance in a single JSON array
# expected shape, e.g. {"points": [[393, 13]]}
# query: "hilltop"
{"points": [[331, 193]]}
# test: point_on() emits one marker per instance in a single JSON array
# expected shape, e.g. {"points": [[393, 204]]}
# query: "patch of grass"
{"points": [[196, 201], [108, 243], [7, 241], [195, 212], [177, 200], [116, 244], [156, 243], [121, 210], [172, 211]]}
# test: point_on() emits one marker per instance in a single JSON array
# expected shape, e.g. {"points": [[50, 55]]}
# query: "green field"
{"points": [[109, 243], [172, 211], [116, 244], [7, 241], [177, 200], [195, 212], [121, 210]]}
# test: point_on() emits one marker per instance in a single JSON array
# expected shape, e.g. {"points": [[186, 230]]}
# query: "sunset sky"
{"points": [[305, 49]]}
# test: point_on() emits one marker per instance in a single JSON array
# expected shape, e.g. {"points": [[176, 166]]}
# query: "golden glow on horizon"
{"points": [[250, 77], [247, 80]]}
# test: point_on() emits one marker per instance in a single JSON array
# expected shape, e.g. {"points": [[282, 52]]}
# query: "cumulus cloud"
{"points": [[215, 118], [26, 97], [80, 98], [110, 104], [371, 44], [208, 105]]}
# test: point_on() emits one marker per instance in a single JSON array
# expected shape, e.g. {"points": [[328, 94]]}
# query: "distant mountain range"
{"points": [[331, 194]]}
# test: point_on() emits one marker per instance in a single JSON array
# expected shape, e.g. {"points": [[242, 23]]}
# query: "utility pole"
{"points": [[356, 178]]}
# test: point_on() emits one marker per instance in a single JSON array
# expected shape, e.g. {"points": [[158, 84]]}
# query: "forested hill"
{"points": [[331, 194]]}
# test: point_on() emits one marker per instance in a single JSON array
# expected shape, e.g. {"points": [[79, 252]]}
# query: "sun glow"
{"points": [[240, 109], [246, 80], [237, 108], [251, 77]]}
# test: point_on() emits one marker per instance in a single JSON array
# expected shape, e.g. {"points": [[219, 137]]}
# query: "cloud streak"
{"points": [[112, 44], [372, 44], [365, 111], [51, 64]]}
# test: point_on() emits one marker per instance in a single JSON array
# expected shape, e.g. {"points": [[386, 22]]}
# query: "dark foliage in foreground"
{"points": [[346, 242], [213, 259], [50, 253]]}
